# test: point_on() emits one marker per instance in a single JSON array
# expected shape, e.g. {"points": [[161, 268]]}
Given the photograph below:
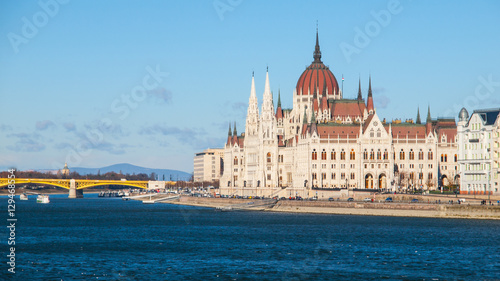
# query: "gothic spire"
{"points": [[267, 88], [369, 102], [234, 131], [229, 132], [317, 52], [370, 87], [279, 98], [418, 116], [360, 96], [252, 90], [429, 120]]}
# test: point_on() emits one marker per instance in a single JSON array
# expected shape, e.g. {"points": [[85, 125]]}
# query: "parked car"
{"points": [[388, 199], [367, 199], [331, 199], [414, 200], [350, 199], [283, 198]]}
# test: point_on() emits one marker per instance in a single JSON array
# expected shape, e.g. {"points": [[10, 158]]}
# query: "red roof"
{"points": [[344, 109], [411, 130], [317, 75], [334, 131]]}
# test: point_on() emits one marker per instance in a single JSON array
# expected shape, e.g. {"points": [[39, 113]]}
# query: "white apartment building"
{"points": [[478, 151]]}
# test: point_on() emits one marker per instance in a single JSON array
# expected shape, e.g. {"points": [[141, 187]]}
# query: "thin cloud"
{"points": [[381, 101], [69, 126], [5, 128], [44, 125], [26, 143], [194, 138], [161, 94]]}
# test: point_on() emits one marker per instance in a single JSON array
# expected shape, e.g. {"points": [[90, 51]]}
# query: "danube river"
{"points": [[110, 239]]}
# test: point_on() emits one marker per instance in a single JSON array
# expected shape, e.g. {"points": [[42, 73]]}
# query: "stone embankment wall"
{"points": [[361, 208]]}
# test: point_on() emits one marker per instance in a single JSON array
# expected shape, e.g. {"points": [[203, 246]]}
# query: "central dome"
{"points": [[317, 76]]}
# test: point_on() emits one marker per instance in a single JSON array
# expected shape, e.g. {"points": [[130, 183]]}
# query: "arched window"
{"points": [[456, 158], [412, 154], [386, 155], [342, 155], [365, 154], [420, 155], [333, 155], [401, 155], [372, 155], [323, 155], [379, 155], [446, 158], [429, 155], [379, 134], [353, 154], [269, 157], [235, 161], [314, 155]]}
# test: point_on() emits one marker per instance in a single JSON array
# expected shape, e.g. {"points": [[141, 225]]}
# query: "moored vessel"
{"points": [[44, 199]]}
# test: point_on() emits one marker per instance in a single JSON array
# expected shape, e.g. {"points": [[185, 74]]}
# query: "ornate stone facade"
{"points": [[327, 143]]}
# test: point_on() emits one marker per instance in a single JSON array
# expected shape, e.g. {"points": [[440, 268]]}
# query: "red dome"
{"points": [[317, 75]]}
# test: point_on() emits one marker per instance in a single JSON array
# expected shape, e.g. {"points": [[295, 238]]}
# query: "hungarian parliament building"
{"points": [[327, 143]]}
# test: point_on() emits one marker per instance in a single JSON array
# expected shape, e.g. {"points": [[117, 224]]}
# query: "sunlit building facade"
{"points": [[327, 142]]}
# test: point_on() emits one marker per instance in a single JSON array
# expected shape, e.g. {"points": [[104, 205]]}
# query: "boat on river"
{"points": [[23, 196], [44, 199]]}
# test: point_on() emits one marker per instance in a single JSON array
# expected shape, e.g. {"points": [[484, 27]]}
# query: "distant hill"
{"points": [[126, 168]]}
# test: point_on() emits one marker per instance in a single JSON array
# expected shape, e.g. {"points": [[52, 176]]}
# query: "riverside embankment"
{"points": [[400, 209]]}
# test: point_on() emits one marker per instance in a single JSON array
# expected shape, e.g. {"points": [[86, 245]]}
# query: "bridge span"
{"points": [[76, 186]]}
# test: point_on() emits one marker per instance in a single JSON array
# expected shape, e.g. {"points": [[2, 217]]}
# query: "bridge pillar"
{"points": [[73, 192]]}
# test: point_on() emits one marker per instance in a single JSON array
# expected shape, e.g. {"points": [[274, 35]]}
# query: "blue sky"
{"points": [[150, 83]]}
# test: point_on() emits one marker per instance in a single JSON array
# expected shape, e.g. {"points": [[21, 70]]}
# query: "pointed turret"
{"points": [[317, 52], [418, 117], [229, 135], [360, 96], [252, 120], [428, 122], [279, 111], [235, 135], [268, 117], [267, 88], [279, 98], [369, 102], [252, 89]]}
